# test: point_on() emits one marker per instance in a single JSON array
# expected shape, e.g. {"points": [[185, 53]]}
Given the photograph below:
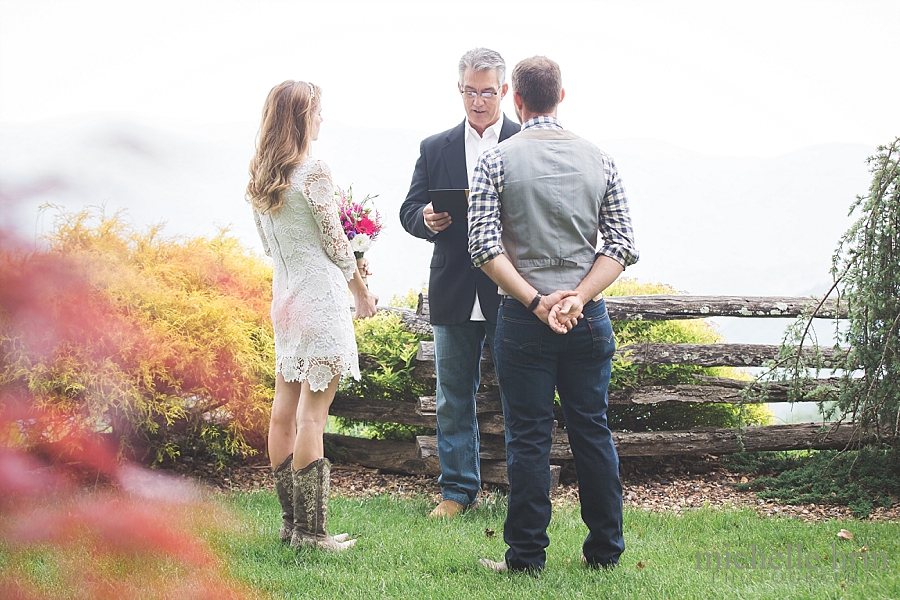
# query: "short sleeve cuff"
{"points": [[620, 254], [485, 256]]}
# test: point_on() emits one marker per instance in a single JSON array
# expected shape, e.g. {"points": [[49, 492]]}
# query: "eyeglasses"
{"points": [[473, 94]]}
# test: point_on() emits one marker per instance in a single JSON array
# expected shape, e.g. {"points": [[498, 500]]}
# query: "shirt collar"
{"points": [[496, 127], [542, 122]]}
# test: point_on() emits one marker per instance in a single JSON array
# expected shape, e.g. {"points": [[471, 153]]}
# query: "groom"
{"points": [[463, 300], [539, 205]]}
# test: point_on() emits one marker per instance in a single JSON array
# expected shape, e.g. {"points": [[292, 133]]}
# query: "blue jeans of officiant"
{"points": [[457, 361], [531, 362]]}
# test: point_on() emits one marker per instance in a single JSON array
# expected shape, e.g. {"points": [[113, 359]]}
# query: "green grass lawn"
{"points": [[403, 554]]}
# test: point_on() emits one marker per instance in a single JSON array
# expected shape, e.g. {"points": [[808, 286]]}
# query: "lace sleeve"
{"points": [[262, 234], [319, 191]]}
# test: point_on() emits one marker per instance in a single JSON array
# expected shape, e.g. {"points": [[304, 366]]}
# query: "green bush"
{"points": [[164, 345], [394, 350], [866, 281]]}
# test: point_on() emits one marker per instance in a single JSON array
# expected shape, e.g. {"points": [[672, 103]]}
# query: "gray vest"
{"points": [[550, 206]]}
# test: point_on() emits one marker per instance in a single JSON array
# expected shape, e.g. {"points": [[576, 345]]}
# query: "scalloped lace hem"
{"points": [[319, 373]]}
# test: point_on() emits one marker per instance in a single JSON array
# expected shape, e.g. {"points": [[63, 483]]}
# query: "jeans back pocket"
{"points": [[603, 342], [519, 337]]}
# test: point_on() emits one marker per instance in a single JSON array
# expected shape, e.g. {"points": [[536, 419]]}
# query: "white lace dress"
{"points": [[314, 337]]}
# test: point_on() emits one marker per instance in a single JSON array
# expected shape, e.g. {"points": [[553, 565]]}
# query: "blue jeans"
{"points": [[457, 361], [531, 361]]}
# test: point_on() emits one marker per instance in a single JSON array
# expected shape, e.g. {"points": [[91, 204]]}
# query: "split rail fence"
{"points": [[421, 457]]}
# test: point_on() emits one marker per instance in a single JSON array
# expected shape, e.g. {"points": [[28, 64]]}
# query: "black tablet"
{"points": [[455, 202]]}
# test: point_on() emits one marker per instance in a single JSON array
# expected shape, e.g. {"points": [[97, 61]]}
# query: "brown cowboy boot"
{"points": [[312, 485], [284, 489]]}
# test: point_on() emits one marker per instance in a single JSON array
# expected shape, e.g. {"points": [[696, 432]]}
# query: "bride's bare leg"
{"points": [[283, 422], [312, 413], [312, 472]]}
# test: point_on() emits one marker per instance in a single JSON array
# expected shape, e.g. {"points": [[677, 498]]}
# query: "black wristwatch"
{"points": [[535, 302]]}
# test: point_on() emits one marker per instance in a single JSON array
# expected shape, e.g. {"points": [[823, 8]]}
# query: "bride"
{"points": [[295, 212]]}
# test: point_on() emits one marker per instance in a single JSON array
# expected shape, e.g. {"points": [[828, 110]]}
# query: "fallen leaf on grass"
{"points": [[640, 565], [845, 535]]}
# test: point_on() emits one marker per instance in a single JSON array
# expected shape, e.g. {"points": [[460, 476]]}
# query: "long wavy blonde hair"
{"points": [[283, 142]]}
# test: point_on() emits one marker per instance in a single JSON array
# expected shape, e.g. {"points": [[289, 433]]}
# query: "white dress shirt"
{"points": [[475, 145]]}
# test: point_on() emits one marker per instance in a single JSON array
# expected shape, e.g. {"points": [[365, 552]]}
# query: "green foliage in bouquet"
{"points": [[670, 416], [163, 345]]}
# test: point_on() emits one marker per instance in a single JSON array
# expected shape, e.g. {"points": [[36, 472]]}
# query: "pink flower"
{"points": [[357, 218], [365, 225]]}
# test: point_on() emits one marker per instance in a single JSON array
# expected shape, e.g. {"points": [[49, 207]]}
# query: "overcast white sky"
{"points": [[757, 78]]}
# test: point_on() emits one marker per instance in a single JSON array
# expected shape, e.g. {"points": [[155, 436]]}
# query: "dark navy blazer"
{"points": [[453, 279]]}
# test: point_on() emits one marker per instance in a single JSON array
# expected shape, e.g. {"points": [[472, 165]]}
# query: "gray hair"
{"points": [[482, 59]]}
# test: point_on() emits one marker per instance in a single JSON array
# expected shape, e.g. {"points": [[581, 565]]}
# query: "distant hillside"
{"points": [[703, 224]]}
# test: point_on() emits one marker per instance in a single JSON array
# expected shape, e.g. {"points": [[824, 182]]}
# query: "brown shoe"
{"points": [[447, 509], [499, 567]]}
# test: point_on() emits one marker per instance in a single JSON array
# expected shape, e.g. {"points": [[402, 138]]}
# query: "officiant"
{"points": [[463, 301]]}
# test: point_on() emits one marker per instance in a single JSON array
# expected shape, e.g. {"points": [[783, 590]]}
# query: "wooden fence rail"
{"points": [[669, 307], [421, 457], [701, 355]]}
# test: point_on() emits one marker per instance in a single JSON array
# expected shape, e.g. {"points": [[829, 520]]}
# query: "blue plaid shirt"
{"points": [[484, 207]]}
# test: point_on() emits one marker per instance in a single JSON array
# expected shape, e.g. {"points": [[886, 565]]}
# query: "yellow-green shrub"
{"points": [[163, 344]]}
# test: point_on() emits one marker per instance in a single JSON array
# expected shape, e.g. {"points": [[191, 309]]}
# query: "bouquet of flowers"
{"points": [[360, 220]]}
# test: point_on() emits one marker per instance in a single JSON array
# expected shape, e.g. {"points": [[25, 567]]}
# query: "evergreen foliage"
{"points": [[861, 480], [866, 273], [867, 265]]}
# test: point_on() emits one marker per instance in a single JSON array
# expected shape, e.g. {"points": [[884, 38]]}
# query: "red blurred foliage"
{"points": [[50, 297], [140, 515], [116, 525], [131, 513], [64, 489], [22, 477]]}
